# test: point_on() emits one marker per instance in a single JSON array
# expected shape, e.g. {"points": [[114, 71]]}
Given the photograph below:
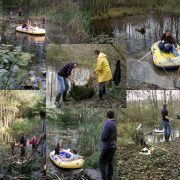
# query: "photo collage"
{"points": [[89, 89]]}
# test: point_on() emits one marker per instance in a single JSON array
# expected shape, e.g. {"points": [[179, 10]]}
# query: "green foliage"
{"points": [[91, 129], [25, 125], [13, 65], [92, 160]]}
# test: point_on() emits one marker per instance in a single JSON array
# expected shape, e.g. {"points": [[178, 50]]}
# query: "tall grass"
{"points": [[88, 142]]}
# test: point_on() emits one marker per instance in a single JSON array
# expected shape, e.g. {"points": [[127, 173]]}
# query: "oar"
{"points": [[144, 56]]}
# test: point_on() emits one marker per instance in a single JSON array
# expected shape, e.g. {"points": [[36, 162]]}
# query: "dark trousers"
{"points": [[106, 161], [102, 89]]}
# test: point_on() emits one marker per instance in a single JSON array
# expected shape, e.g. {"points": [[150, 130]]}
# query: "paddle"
{"points": [[144, 56]]}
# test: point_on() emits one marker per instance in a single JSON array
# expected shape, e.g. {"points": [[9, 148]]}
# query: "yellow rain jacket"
{"points": [[103, 70]]}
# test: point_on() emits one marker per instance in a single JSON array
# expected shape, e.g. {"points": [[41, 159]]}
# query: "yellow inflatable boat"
{"points": [[58, 160], [31, 31], [164, 60]]}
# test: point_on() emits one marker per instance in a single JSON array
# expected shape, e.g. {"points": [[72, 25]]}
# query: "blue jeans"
{"points": [[167, 128], [63, 84]]}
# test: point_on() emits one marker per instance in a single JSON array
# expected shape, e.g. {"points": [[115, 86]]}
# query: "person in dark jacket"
{"points": [[42, 140], [168, 43], [64, 73], [22, 144], [166, 122], [108, 148]]}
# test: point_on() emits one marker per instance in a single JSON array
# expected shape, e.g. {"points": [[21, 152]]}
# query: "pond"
{"points": [[126, 30], [61, 34], [28, 43], [152, 137]]}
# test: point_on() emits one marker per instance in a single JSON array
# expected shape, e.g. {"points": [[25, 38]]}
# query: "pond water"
{"points": [[152, 137], [61, 34], [125, 30]]}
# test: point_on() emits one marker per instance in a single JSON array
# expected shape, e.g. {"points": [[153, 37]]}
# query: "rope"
{"points": [[49, 40]]}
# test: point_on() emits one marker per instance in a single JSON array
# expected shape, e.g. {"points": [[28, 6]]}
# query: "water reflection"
{"points": [[59, 33], [124, 30]]}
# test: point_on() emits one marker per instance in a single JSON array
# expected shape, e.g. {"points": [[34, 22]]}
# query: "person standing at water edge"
{"points": [[64, 74], [43, 138], [109, 141], [103, 72], [166, 122]]}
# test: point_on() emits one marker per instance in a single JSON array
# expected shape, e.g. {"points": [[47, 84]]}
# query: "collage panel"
{"points": [[22, 134], [106, 73], [86, 75], [78, 143], [148, 145], [22, 51], [144, 28]]}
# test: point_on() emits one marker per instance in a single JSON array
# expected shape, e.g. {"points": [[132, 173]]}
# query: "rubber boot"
{"points": [[104, 90], [100, 96], [168, 136], [64, 96], [58, 97]]}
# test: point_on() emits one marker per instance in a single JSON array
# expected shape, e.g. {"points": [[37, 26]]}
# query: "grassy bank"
{"points": [[129, 11], [120, 12], [70, 15]]}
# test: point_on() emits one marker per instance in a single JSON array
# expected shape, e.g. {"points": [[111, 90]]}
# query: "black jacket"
{"points": [[168, 39], [117, 74], [65, 71]]}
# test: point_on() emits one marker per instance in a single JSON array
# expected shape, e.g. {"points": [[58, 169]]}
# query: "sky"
{"points": [[133, 95]]}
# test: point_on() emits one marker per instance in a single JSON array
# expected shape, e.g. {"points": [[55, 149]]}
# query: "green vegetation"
{"points": [[14, 68], [71, 13], [101, 9], [16, 105]]}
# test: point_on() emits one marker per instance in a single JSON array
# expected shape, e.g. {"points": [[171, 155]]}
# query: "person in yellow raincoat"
{"points": [[103, 72]]}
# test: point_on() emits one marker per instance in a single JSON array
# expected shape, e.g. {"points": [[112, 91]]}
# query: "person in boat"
{"points": [[35, 27], [57, 149], [27, 25], [103, 72], [166, 122], [168, 43], [20, 12], [22, 144], [64, 74], [74, 156], [108, 147]]}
